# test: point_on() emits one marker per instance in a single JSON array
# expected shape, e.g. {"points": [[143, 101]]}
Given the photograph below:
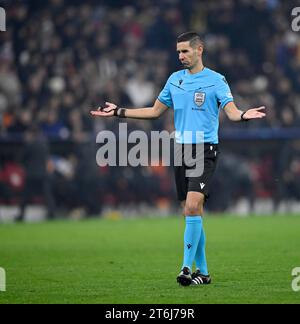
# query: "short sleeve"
{"points": [[165, 95], [223, 93]]}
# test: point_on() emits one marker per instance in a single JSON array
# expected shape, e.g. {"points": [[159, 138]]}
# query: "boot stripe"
{"points": [[198, 281]]}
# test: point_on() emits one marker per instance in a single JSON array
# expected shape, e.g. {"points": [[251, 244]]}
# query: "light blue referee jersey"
{"points": [[196, 100]]}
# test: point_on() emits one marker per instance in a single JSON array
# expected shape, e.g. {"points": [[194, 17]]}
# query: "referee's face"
{"points": [[189, 56]]}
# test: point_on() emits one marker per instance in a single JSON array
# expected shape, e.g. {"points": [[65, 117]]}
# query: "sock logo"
{"points": [[189, 246]]}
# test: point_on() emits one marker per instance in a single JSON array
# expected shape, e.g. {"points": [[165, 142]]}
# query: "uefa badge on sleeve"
{"points": [[199, 98]]}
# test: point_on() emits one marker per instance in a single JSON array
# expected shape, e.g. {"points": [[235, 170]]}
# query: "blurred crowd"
{"points": [[59, 59]]}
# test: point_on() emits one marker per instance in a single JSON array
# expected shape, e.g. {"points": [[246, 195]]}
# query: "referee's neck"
{"points": [[197, 69]]}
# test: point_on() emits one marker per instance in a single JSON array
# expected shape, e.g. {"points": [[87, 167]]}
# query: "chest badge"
{"points": [[199, 98]]}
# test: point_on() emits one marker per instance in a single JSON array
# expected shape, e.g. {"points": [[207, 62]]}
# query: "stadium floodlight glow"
{"points": [[160, 155], [2, 19]]}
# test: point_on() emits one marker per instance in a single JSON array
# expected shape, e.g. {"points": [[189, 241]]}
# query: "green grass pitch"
{"points": [[137, 260]]}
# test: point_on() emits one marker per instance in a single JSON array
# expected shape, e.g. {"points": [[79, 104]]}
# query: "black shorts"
{"points": [[185, 184]]}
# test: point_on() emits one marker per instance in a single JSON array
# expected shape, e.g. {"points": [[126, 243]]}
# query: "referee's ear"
{"points": [[200, 49]]}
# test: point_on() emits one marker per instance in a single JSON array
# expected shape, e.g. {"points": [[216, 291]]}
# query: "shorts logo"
{"points": [[202, 185], [199, 98]]}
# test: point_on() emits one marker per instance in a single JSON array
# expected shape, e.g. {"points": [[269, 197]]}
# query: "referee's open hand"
{"points": [[107, 111], [255, 113]]}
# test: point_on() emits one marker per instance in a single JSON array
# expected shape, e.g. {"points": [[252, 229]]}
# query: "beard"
{"points": [[188, 66]]}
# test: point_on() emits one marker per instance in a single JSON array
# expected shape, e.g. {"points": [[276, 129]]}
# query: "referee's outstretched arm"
{"points": [[111, 110], [237, 115]]}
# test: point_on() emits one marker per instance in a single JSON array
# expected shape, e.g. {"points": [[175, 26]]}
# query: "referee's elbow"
{"points": [[155, 113]]}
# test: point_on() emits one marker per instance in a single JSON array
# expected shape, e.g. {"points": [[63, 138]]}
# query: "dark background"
{"points": [[60, 58]]}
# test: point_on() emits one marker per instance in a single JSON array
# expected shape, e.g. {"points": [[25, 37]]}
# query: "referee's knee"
{"points": [[193, 209]]}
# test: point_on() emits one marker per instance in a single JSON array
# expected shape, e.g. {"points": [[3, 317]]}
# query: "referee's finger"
{"points": [[107, 110], [109, 103], [260, 108], [98, 113]]}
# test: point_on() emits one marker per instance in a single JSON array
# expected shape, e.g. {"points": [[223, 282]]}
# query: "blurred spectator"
{"points": [[288, 184], [86, 179], [12, 178], [35, 159], [236, 186]]}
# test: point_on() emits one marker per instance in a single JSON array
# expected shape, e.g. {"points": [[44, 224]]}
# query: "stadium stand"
{"points": [[58, 59]]}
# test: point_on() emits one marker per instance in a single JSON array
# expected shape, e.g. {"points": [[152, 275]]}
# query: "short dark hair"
{"points": [[192, 37]]}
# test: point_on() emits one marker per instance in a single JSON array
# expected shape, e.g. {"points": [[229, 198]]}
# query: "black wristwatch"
{"points": [[242, 117], [120, 112]]}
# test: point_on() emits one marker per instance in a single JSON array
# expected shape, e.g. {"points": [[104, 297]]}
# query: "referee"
{"points": [[196, 94]]}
